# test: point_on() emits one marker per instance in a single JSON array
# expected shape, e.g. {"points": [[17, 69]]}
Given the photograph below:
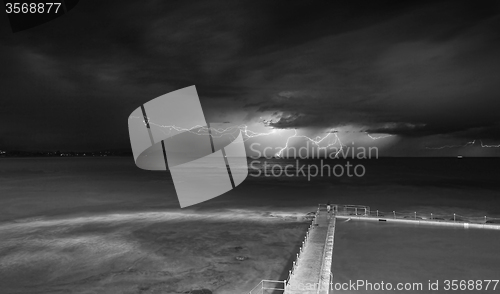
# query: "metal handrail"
{"points": [[362, 210], [301, 249], [261, 282], [428, 217], [328, 235], [262, 287], [295, 262]]}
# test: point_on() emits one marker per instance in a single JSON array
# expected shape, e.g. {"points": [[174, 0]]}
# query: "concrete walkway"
{"points": [[311, 267]]}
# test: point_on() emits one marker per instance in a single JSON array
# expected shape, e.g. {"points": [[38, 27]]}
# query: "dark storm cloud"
{"points": [[73, 82], [432, 70], [415, 69]]}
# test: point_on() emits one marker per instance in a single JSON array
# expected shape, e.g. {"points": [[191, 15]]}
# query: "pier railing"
{"points": [[436, 217], [269, 286], [302, 246], [364, 211], [325, 277]]}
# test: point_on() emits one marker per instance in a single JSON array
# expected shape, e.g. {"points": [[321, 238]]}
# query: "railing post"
{"points": [[394, 213], [431, 215], [453, 217], [415, 215], [485, 219], [256, 287], [377, 213]]}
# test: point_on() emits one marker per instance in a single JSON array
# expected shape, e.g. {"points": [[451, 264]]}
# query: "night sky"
{"points": [[425, 72]]}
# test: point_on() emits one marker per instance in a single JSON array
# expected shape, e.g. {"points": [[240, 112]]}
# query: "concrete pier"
{"points": [[312, 271], [312, 274]]}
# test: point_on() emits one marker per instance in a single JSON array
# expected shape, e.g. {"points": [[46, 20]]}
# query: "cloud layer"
{"points": [[415, 70]]}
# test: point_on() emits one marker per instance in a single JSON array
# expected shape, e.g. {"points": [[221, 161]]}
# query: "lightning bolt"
{"points": [[316, 141], [378, 137], [464, 145], [247, 134], [203, 130], [452, 146], [489, 146]]}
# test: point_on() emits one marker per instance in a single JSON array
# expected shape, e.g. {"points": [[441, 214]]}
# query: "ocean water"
{"points": [[103, 225], [38, 186]]}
